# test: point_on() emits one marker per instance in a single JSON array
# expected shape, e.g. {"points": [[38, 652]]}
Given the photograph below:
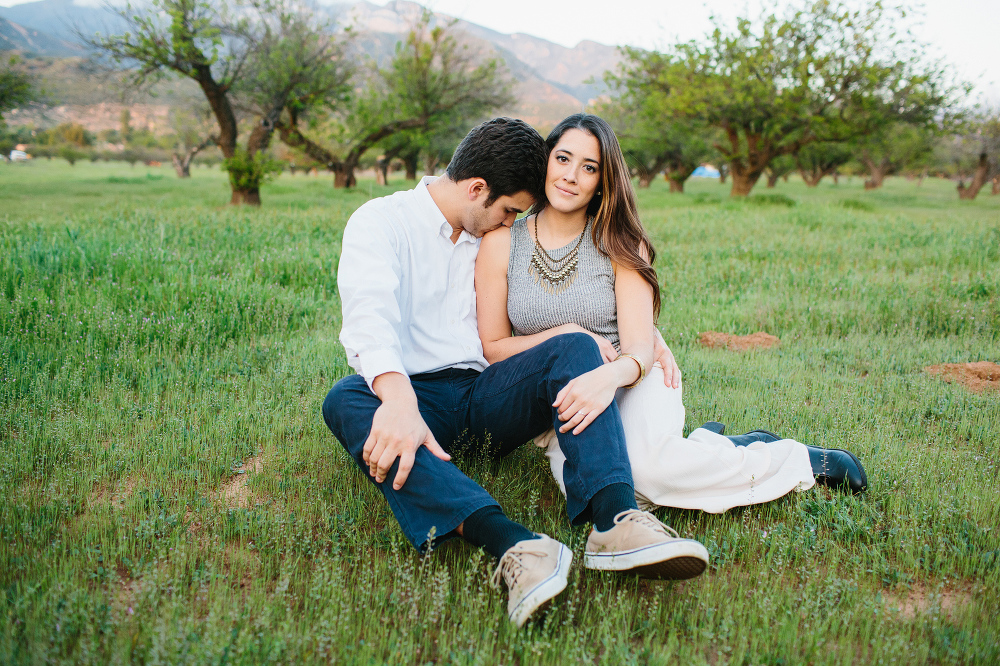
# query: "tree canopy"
{"points": [[16, 87], [433, 81], [250, 55], [821, 72]]}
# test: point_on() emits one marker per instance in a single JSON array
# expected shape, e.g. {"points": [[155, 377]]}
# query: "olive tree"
{"points": [[244, 54], [17, 87], [432, 80], [653, 139], [821, 72]]}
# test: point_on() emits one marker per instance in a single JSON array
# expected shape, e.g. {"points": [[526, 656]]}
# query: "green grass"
{"points": [[169, 493]]}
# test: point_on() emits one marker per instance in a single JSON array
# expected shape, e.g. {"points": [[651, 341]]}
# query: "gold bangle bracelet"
{"points": [[642, 368]]}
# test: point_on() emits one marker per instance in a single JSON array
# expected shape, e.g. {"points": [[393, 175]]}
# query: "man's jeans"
{"points": [[494, 412]]}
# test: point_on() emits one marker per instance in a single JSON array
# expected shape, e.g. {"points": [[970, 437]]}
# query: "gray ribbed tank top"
{"points": [[589, 301]]}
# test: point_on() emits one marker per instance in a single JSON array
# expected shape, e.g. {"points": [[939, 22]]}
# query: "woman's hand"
{"points": [[663, 355], [584, 398], [608, 351]]}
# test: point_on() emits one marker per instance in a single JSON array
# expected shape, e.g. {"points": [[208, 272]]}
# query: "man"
{"points": [[409, 329]]}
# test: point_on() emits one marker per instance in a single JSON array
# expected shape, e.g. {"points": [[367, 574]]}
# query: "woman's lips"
{"points": [[566, 192]]}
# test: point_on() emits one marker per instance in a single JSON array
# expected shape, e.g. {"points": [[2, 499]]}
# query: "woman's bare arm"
{"points": [[634, 299]]}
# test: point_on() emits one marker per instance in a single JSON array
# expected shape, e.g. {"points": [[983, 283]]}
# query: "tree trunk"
{"points": [[676, 187], [183, 164], [746, 172], [996, 185], [343, 176], [920, 180], [811, 178], [978, 180], [430, 163], [836, 177], [645, 178], [182, 167], [410, 162], [248, 197], [772, 179], [382, 170], [221, 108], [218, 100], [293, 138], [744, 177], [743, 184], [876, 172]]}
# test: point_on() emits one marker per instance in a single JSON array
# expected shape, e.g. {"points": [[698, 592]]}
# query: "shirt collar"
{"points": [[433, 218]]}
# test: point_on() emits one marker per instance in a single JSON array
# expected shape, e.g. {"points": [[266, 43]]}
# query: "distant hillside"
{"points": [[62, 19], [15, 37], [551, 79]]}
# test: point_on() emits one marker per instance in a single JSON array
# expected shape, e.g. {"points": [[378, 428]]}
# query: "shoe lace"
{"points": [[511, 565], [647, 519]]}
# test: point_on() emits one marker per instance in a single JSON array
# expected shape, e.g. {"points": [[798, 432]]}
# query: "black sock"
{"points": [[608, 502], [491, 529]]}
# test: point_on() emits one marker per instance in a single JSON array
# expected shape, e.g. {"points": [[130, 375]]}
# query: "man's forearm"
{"points": [[394, 388]]}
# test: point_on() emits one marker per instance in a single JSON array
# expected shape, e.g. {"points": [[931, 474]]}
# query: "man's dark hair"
{"points": [[505, 152]]}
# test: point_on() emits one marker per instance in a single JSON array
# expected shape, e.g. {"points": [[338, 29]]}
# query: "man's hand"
{"points": [[398, 431], [663, 355]]}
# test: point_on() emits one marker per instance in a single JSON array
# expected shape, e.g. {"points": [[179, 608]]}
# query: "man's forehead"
{"points": [[522, 200]]}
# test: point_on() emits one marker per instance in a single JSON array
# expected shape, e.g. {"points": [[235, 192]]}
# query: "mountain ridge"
{"points": [[551, 80]]}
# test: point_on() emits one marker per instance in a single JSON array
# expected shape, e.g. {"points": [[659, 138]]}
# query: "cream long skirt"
{"points": [[702, 471]]}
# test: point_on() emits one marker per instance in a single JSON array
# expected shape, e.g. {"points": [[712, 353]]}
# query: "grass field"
{"points": [[169, 493]]}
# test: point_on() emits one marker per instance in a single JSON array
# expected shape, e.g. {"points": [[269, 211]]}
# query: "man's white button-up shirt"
{"points": [[408, 292]]}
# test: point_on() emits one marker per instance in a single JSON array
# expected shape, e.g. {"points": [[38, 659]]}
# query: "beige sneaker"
{"points": [[641, 544], [535, 571]]}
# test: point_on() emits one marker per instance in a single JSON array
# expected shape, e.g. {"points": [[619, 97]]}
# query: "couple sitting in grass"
{"points": [[468, 327]]}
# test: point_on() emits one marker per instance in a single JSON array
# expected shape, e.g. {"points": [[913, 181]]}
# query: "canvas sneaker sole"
{"points": [[544, 592], [674, 560]]}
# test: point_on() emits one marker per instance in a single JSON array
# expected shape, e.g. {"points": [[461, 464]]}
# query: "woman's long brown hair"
{"points": [[618, 233]]}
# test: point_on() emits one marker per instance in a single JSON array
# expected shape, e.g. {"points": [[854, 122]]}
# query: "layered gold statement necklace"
{"points": [[554, 275]]}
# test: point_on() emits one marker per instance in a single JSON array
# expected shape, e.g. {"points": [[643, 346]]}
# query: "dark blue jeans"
{"points": [[492, 412]]}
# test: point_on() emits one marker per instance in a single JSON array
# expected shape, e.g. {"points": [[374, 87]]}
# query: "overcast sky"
{"points": [[964, 32]]}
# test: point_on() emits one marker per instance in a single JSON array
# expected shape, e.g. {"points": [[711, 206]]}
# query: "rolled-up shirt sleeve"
{"points": [[368, 279]]}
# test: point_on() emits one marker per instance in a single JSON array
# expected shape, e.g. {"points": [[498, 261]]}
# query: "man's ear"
{"points": [[477, 188]]}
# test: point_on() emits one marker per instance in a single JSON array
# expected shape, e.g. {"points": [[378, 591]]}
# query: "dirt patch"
{"points": [[124, 491], [921, 599], [235, 493], [127, 589], [976, 377], [758, 340]]}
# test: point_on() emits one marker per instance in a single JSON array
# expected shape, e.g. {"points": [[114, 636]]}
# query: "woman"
{"points": [[581, 261]]}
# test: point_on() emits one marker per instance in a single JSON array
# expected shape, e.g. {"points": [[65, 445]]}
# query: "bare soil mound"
{"points": [[977, 377], [758, 340], [235, 493]]}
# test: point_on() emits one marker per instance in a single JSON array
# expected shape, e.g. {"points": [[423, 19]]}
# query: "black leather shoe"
{"points": [[837, 468], [765, 436], [714, 426]]}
